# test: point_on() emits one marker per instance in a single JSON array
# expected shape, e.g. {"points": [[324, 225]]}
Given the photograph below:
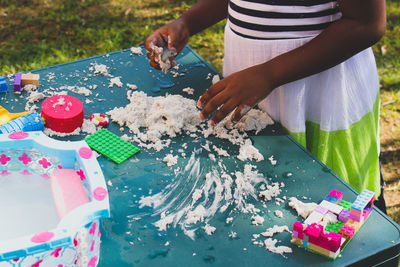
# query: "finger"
{"points": [[240, 111], [210, 93], [155, 65], [224, 111], [213, 105]]}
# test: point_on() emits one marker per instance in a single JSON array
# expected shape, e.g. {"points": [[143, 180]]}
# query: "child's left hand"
{"points": [[241, 91]]}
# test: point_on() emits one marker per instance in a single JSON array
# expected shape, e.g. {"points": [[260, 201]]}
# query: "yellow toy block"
{"points": [[30, 78], [296, 241], [319, 249]]}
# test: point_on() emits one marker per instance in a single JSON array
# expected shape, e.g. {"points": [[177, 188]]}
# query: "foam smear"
{"points": [[200, 191]]}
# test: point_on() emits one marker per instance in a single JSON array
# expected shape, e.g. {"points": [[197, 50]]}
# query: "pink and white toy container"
{"points": [[52, 197]]}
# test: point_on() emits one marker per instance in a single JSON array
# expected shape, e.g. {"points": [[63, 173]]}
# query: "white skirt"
{"points": [[335, 98], [334, 113]]}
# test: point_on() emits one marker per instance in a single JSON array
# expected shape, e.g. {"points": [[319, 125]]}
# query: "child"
{"points": [[307, 63]]}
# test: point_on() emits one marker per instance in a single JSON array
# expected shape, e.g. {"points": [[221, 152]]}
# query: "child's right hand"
{"points": [[174, 36]]}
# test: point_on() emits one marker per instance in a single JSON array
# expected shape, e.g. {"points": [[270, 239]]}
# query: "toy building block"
{"points": [[330, 240], [321, 210], [347, 232], [30, 78], [334, 208], [337, 194], [111, 146], [344, 215], [332, 199], [298, 230], [17, 82], [3, 85], [355, 215], [334, 227], [355, 224], [296, 241], [363, 200], [345, 204], [314, 217]]}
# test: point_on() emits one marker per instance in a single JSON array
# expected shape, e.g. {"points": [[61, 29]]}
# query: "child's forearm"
{"points": [[363, 23], [204, 14]]}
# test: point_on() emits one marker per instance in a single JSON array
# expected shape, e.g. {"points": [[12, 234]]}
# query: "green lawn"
{"points": [[39, 33]]}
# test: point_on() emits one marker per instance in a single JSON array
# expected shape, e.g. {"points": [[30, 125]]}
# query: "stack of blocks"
{"points": [[330, 240]]}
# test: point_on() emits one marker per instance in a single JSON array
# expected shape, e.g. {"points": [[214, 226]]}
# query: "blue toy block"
{"points": [[3, 85], [332, 199]]}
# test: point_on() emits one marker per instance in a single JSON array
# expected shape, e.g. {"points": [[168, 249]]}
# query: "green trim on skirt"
{"points": [[353, 153]]}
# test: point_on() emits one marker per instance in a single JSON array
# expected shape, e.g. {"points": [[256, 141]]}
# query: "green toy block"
{"points": [[334, 227], [111, 146], [345, 204]]}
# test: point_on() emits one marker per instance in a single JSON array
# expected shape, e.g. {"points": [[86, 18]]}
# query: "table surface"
{"points": [[127, 241]]}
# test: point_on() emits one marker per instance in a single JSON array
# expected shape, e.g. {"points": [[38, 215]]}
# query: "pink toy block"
{"points": [[365, 213], [298, 228], [355, 217], [68, 191], [336, 193], [347, 231], [355, 212], [371, 202], [314, 230], [333, 240]]}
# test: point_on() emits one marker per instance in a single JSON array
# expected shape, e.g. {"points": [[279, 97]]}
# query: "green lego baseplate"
{"points": [[111, 146]]}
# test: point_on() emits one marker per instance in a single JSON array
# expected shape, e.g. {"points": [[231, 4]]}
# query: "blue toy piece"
{"points": [[28, 123], [3, 85]]}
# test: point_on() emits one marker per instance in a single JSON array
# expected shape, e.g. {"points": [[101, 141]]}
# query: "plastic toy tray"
{"points": [[32, 231]]}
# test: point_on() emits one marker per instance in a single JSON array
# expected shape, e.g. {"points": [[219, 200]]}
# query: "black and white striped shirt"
{"points": [[281, 19]]}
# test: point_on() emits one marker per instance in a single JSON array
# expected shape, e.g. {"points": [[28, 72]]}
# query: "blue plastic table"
{"points": [[130, 242]]}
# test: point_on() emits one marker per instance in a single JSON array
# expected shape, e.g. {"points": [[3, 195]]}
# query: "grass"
{"points": [[39, 33]]}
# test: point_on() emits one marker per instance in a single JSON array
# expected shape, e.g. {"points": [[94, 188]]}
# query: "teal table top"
{"points": [[130, 238]]}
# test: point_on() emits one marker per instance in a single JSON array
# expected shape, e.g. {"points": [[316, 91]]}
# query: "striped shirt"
{"points": [[281, 19]]}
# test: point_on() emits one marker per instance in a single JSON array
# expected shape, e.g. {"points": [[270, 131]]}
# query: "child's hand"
{"points": [[241, 91], [174, 36]]}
